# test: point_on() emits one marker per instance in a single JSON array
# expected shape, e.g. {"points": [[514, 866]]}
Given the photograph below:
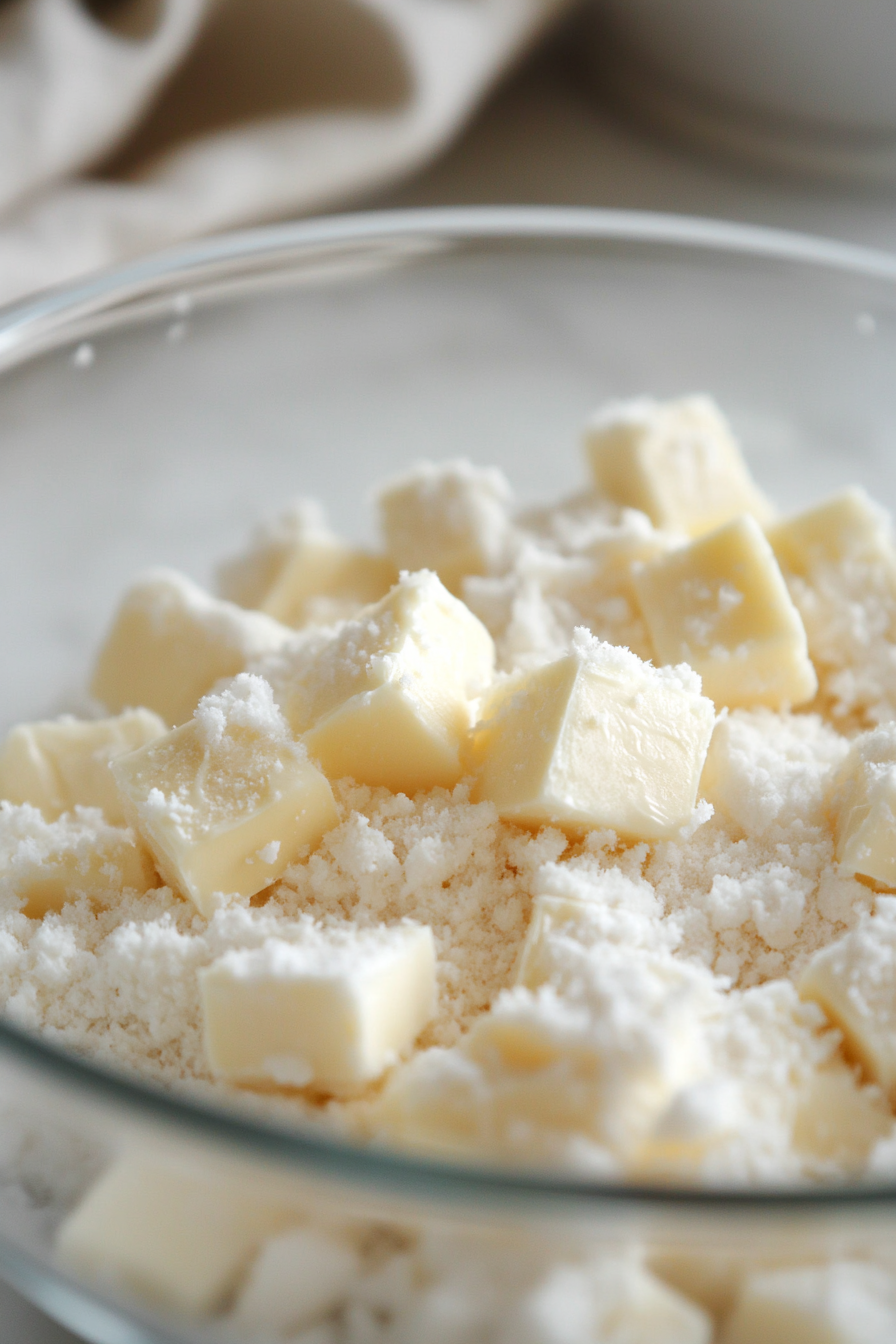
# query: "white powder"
{"points": [[668, 1040]]}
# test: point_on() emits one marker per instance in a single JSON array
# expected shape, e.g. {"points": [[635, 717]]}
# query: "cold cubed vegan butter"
{"points": [[301, 573], [179, 1237], [676, 461], [597, 738], [386, 699], [170, 642], [451, 518], [63, 763], [854, 981], [47, 863], [329, 1011], [721, 605], [228, 801], [864, 807], [847, 526]]}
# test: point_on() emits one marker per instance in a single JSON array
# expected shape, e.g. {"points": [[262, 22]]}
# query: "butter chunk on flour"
{"points": [[228, 801], [864, 803], [854, 981], [64, 763], [721, 605], [452, 518], [676, 461], [170, 642], [598, 738], [386, 699], [180, 1238], [333, 1010], [298, 571]]}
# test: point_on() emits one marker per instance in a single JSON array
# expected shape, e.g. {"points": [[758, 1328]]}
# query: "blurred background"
{"points": [[130, 125]]}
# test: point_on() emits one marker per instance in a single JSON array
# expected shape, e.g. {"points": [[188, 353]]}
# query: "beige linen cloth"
{"points": [[128, 125]]}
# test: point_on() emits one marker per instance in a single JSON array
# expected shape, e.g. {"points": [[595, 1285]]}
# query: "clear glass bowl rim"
{"points": [[114, 297]]}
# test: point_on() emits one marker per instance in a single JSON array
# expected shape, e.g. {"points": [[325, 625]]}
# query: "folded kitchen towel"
{"points": [[127, 125]]}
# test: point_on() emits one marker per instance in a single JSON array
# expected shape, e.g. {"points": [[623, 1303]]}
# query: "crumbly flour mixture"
{"points": [[671, 989]]}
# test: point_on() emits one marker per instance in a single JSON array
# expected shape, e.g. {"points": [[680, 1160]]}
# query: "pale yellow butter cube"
{"points": [[863, 804], [228, 801], [387, 698], [170, 642], [676, 461], [179, 1238], [298, 571], [854, 981], [63, 763], [452, 518], [46, 863], [298, 1278], [847, 1302], [847, 526], [598, 738], [332, 1010], [721, 605], [840, 562]]}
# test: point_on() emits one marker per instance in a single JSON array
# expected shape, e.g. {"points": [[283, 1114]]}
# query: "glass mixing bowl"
{"points": [[151, 415]]}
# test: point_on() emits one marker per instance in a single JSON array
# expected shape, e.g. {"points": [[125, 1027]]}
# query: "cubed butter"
{"points": [[863, 804], [63, 763], [676, 461], [301, 573], [452, 518], [721, 605], [297, 1279], [592, 1058], [331, 1010], [846, 527], [170, 642], [47, 863], [229, 800], [597, 738], [854, 981], [847, 1302], [608, 1300], [387, 699], [178, 1238]]}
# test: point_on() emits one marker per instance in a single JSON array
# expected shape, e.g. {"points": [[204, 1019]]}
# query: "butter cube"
{"points": [[721, 605], [229, 800], [298, 1278], [864, 807], [590, 1059], [847, 1302], [46, 863], [451, 518], [301, 573], [178, 1238], [63, 763], [333, 1010], [840, 563], [676, 461], [597, 738], [532, 611], [170, 642], [607, 1300], [854, 981], [847, 526], [387, 698]]}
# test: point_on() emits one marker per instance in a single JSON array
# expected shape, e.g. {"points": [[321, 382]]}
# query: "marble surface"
{"points": [[545, 138]]}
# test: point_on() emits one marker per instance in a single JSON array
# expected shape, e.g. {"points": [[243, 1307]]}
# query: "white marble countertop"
{"points": [[544, 138]]}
